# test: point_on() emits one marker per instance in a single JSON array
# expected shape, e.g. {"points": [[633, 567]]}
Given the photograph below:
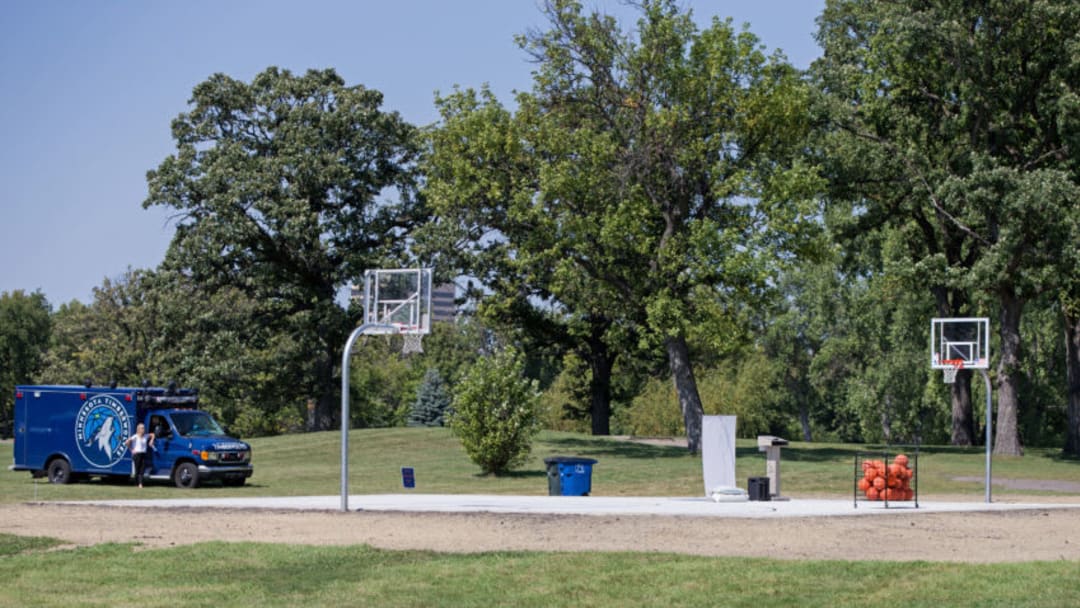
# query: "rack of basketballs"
{"points": [[881, 477]]}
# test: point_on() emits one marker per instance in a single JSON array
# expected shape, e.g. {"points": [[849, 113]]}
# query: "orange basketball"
{"points": [[872, 494], [864, 484], [896, 470], [879, 483], [870, 474], [909, 494], [901, 460]]}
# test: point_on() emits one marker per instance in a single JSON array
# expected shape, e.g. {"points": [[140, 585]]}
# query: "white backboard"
{"points": [[964, 339], [400, 298]]}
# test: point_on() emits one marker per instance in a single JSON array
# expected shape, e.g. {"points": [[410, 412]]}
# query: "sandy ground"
{"points": [[960, 537]]}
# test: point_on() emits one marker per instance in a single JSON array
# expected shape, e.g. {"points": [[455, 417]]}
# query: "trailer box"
{"points": [[67, 433]]}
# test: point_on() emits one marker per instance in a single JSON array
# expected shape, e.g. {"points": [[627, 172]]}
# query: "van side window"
{"points": [[160, 427]]}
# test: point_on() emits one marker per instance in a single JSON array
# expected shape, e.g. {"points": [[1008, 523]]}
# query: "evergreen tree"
{"points": [[432, 401]]}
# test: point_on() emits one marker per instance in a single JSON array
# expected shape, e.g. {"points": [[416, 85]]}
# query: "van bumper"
{"points": [[231, 472]]}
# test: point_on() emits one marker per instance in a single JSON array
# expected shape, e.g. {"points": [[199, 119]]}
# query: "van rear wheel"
{"points": [[186, 476], [59, 471]]}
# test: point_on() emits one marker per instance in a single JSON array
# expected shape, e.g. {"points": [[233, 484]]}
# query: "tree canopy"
{"points": [[646, 179], [25, 328], [286, 188], [951, 127], [666, 201]]}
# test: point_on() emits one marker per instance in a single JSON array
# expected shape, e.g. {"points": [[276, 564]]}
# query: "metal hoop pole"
{"points": [[989, 428], [356, 333]]}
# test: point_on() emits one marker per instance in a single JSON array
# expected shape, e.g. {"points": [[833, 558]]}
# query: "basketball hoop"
{"points": [[414, 343], [950, 372]]}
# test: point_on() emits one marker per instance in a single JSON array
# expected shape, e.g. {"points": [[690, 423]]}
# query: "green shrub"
{"points": [[564, 406], [744, 387], [495, 412], [654, 412]]}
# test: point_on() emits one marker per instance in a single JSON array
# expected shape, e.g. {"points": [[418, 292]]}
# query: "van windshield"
{"points": [[196, 424]]}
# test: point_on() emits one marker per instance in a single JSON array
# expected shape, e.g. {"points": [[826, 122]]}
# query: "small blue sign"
{"points": [[408, 477]]}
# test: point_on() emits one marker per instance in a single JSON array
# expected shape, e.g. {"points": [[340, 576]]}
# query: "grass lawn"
{"points": [[310, 465], [247, 574]]}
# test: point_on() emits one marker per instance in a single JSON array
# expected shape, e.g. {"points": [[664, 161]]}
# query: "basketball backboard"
{"points": [[960, 342], [398, 298]]}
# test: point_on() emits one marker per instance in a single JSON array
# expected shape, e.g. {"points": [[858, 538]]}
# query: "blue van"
{"points": [[67, 433]]}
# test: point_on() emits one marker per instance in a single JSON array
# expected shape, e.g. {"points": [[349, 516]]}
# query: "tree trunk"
{"points": [[328, 400], [1008, 431], [333, 329], [951, 304], [600, 363], [804, 420], [886, 420], [686, 388], [963, 419], [327, 411], [1072, 367]]}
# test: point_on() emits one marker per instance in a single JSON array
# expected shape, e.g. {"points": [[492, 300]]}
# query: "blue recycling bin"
{"points": [[569, 476]]}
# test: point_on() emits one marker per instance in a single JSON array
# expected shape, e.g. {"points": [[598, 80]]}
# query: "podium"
{"points": [[771, 446]]}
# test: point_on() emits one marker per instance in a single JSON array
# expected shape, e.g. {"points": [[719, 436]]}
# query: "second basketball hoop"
{"points": [[958, 343]]}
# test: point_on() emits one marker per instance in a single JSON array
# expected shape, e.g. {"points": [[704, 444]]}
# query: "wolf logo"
{"points": [[101, 429]]}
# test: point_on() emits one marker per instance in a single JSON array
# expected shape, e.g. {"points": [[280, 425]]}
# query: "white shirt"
{"points": [[139, 443]]}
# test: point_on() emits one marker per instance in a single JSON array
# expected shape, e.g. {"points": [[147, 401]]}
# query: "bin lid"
{"points": [[568, 460]]}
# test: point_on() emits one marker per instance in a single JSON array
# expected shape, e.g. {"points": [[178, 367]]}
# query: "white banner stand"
{"points": [[718, 458]]}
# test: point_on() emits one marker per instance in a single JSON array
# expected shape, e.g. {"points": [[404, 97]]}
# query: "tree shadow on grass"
{"points": [[592, 447], [517, 474]]}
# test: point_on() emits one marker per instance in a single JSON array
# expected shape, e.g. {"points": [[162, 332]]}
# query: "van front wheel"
{"points": [[59, 471], [186, 476]]}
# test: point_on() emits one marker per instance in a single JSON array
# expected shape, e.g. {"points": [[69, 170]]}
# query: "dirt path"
{"points": [[961, 537]]}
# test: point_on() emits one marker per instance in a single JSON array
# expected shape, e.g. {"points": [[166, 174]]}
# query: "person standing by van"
{"points": [[140, 443]]}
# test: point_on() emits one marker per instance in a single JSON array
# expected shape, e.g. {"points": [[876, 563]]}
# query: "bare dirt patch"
{"points": [[960, 537]]}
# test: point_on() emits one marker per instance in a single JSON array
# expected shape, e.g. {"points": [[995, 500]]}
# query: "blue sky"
{"points": [[89, 89]]}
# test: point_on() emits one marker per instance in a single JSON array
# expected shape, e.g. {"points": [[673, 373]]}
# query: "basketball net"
{"points": [[414, 343], [950, 372]]}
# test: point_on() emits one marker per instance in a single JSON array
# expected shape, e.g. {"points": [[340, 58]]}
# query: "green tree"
{"points": [[647, 177], [281, 190], [495, 412], [794, 329], [432, 401], [480, 163], [217, 340], [383, 384], [112, 340], [25, 327], [949, 126]]}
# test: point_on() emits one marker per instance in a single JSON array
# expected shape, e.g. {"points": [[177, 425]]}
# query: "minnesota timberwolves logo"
{"points": [[101, 430]]}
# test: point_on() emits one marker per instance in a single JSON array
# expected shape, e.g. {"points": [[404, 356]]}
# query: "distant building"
{"points": [[442, 303]]}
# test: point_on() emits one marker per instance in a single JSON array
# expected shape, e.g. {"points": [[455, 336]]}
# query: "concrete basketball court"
{"points": [[584, 505]]}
